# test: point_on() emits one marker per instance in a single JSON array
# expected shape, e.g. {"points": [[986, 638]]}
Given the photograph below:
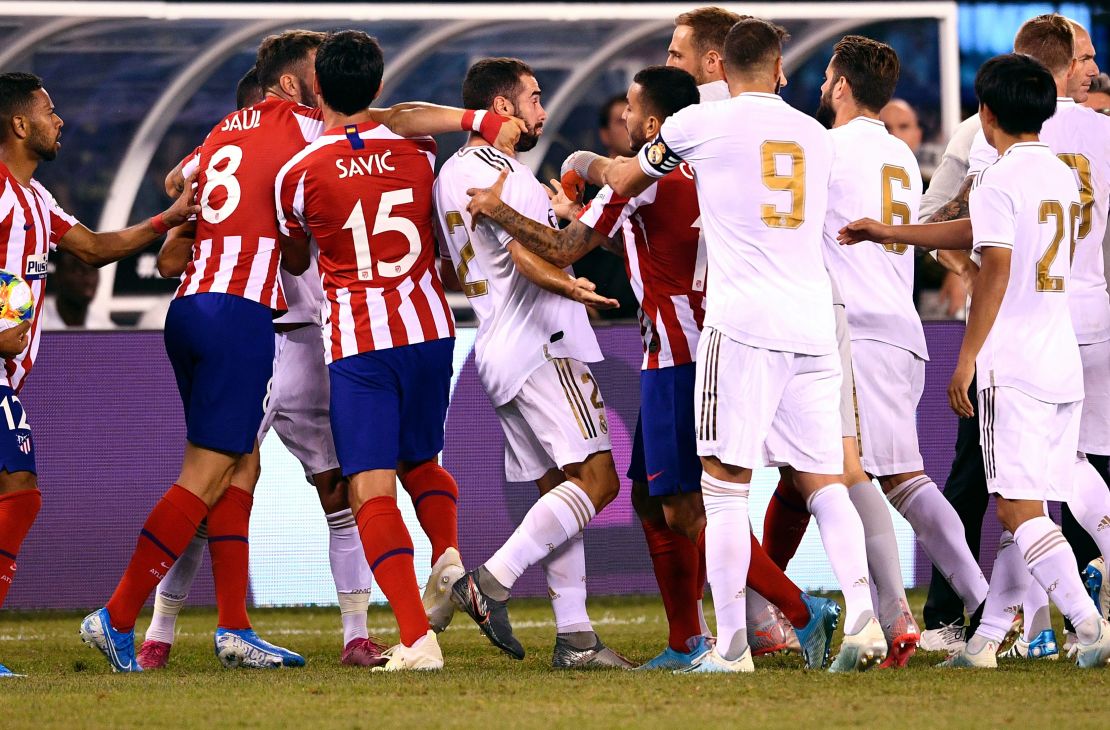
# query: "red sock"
{"points": [[17, 513], [166, 532], [228, 524], [674, 559], [768, 580], [435, 497], [784, 525], [701, 565], [388, 547]]}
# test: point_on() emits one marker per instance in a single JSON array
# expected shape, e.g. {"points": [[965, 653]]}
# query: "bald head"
{"points": [[901, 121]]}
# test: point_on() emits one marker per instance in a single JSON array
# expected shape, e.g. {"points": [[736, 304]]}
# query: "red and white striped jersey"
{"points": [[665, 260], [31, 224], [364, 195], [236, 249]]}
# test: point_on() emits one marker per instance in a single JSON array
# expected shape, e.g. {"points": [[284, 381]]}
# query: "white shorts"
{"points": [[849, 419], [557, 418], [296, 406], [1094, 425], [761, 407], [1028, 445], [889, 383]]}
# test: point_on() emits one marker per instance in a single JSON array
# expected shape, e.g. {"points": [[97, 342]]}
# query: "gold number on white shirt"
{"points": [[893, 174], [794, 183], [1082, 167], [215, 179], [455, 221], [1054, 209], [383, 223]]}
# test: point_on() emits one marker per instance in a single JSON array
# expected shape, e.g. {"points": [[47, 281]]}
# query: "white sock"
{"points": [[843, 538], [174, 588], [1052, 563], [1009, 584], [351, 573], [941, 534], [1090, 504], [728, 553], [1034, 606], [565, 569], [882, 550], [701, 616], [555, 517]]}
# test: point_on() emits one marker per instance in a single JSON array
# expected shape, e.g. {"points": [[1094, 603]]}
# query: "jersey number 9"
{"points": [[793, 182]]}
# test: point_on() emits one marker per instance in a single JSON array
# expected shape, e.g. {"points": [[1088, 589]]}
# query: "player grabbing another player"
{"points": [[533, 346], [364, 195], [32, 224], [769, 316], [665, 260]]}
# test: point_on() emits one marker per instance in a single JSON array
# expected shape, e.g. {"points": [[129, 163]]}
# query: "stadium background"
{"points": [[137, 93]]}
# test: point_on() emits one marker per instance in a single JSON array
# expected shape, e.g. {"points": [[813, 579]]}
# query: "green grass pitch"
{"points": [[70, 686]]}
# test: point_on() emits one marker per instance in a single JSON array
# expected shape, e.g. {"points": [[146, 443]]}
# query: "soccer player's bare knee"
{"points": [[808, 483], [17, 481], [717, 469], [207, 472], [550, 480], [685, 514], [889, 483], [646, 506], [247, 471], [331, 488], [367, 485], [597, 477], [853, 468], [1012, 513]]}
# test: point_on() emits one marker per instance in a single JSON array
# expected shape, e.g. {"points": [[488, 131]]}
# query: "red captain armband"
{"points": [[487, 124], [159, 225]]}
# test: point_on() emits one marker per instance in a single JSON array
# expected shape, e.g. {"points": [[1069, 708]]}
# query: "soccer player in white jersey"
{"points": [[1080, 137], [1026, 213], [697, 47], [876, 175], [32, 224], [768, 372], [533, 346]]}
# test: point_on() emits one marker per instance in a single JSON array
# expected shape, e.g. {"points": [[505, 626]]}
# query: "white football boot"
{"points": [[862, 650], [424, 655], [437, 594]]}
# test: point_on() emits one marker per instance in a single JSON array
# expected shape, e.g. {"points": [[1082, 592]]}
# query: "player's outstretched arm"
{"points": [[990, 287], [177, 250], [624, 175], [98, 249], [550, 277], [419, 119], [560, 247], [949, 235], [958, 262]]}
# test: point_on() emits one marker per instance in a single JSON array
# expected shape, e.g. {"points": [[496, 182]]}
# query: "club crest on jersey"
{"points": [[242, 121], [36, 266], [656, 153], [24, 442]]}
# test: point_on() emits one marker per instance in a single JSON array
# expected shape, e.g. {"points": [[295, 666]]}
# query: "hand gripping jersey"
{"points": [[236, 241], [1080, 137], [665, 260], [365, 196], [876, 176], [31, 225], [1027, 201], [520, 325], [762, 172]]}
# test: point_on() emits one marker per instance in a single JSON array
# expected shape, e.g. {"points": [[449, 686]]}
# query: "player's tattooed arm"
{"points": [[559, 247], [958, 208], [100, 248], [990, 288], [177, 251], [547, 276]]}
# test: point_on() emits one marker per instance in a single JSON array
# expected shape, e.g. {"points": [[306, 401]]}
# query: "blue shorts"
{"points": [[221, 347], [665, 449], [17, 449], [389, 405]]}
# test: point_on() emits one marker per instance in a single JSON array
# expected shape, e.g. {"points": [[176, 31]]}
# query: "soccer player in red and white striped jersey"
{"points": [[31, 225], [364, 195]]}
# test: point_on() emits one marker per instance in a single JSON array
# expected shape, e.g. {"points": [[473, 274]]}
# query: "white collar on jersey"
{"points": [[1030, 145], [869, 120], [761, 95], [1064, 101]]}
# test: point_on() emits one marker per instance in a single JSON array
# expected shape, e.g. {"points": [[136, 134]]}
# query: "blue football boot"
{"points": [[677, 660], [816, 636], [245, 648], [118, 646]]}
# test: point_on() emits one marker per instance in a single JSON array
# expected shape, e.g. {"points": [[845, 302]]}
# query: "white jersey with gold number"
{"points": [[1027, 201], [762, 171], [520, 325], [874, 175], [1081, 138]]}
